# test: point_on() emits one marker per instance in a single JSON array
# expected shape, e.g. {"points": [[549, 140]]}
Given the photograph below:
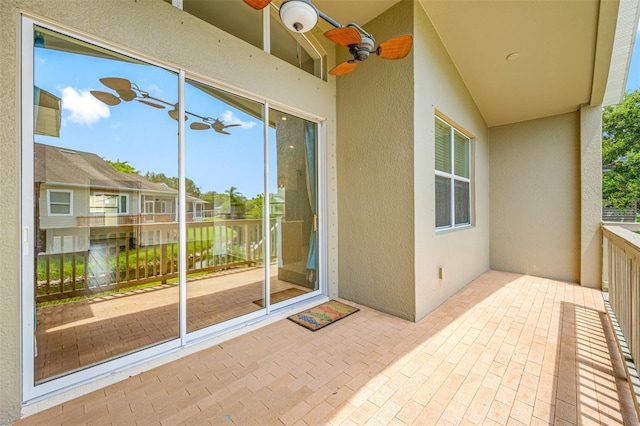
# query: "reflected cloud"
{"points": [[83, 108], [229, 118], [154, 90]]}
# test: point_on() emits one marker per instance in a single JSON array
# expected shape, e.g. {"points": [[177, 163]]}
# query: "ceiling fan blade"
{"points": [[127, 95], [152, 104], [173, 113], [105, 97], [116, 83], [199, 126], [257, 4], [396, 47], [344, 36], [223, 132], [344, 68], [231, 125]]}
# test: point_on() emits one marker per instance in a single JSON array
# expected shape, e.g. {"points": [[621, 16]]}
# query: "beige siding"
{"points": [[535, 197], [80, 208], [158, 30]]}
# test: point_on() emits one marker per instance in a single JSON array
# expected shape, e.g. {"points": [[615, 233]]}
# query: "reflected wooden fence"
{"points": [[622, 271], [127, 256]]}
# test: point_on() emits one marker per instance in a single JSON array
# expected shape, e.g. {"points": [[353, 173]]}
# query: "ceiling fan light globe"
{"points": [[298, 15]]}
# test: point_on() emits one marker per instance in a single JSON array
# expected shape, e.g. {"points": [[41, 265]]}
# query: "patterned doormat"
{"points": [[323, 315], [279, 296]]}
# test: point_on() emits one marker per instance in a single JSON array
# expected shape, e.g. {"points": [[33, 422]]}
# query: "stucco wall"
{"points": [[375, 171], [389, 251], [463, 253], [155, 29], [535, 197]]}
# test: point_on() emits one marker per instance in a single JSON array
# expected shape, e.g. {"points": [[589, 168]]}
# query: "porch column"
{"points": [[591, 196]]}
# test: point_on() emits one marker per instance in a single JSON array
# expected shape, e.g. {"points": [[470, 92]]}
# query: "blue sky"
{"points": [[145, 136], [633, 80]]}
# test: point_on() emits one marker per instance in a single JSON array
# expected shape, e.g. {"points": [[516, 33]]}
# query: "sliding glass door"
{"points": [[293, 196], [105, 228], [149, 224], [224, 147]]}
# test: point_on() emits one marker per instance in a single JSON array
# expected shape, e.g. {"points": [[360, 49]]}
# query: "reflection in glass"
{"points": [[105, 193], [293, 192], [226, 246]]}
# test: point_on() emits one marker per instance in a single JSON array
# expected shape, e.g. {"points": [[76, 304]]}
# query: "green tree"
{"points": [[255, 206], [236, 202], [173, 182], [621, 152], [123, 166]]}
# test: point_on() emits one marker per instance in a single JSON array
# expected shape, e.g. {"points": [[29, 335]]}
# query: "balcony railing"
{"points": [[126, 219], [128, 256], [622, 277]]}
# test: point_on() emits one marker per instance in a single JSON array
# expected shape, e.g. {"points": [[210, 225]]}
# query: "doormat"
{"points": [[323, 315], [281, 295]]}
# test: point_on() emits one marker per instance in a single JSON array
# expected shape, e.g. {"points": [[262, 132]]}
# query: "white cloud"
{"points": [[229, 118], [154, 90], [83, 108]]}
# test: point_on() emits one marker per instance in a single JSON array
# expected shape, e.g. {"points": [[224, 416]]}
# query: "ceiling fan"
{"points": [[128, 91], [301, 16]]}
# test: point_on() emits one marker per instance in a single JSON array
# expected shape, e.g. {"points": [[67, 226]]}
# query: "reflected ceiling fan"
{"points": [[301, 16], [128, 91]]}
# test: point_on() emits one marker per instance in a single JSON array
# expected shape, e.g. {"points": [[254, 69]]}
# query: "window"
{"points": [[238, 19], [59, 203], [453, 177], [103, 203]]}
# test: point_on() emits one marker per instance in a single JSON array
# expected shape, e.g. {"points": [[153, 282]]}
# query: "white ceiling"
{"points": [[563, 50], [555, 44], [353, 11]]}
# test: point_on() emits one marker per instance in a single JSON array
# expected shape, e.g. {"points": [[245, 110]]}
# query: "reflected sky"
{"points": [[146, 136]]}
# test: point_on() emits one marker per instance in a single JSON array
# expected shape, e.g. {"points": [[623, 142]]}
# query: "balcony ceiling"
{"points": [[563, 50]]}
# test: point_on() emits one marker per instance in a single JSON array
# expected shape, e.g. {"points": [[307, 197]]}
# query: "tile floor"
{"points": [[73, 335], [506, 350]]}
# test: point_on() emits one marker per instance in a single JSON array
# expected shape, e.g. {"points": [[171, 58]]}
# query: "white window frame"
{"points": [[453, 178], [70, 204], [119, 203]]}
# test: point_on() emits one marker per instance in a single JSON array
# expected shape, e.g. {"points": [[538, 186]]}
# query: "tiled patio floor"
{"points": [[508, 349], [73, 335]]}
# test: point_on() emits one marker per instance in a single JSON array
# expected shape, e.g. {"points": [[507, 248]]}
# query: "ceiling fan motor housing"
{"points": [[361, 51]]}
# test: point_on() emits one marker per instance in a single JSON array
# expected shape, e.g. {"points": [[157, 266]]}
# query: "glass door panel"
{"points": [[293, 205], [105, 150], [226, 247]]}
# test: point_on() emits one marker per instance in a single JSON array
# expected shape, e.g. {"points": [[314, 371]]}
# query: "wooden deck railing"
{"points": [[622, 275], [126, 256], [126, 219]]}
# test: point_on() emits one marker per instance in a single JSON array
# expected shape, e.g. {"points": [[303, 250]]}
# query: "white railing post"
{"points": [[622, 263]]}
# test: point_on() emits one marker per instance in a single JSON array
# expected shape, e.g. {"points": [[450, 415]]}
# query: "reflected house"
{"points": [[80, 194]]}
